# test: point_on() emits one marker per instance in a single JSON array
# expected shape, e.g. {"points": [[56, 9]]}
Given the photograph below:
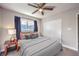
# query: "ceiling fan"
{"points": [[41, 7]]}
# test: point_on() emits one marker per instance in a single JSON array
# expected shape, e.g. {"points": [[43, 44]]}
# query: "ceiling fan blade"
{"points": [[32, 5], [49, 8], [37, 4], [42, 13], [35, 11], [42, 4]]}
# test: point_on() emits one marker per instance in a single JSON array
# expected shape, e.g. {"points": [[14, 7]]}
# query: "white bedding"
{"points": [[39, 46]]}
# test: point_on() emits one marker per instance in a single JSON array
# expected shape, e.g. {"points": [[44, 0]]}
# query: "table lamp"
{"points": [[12, 32]]}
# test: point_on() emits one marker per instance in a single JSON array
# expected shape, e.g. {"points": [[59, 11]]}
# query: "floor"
{"points": [[68, 52], [65, 52]]}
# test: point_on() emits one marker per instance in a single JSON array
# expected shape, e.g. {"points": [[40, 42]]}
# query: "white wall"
{"points": [[69, 27], [8, 22], [0, 17], [0, 26]]}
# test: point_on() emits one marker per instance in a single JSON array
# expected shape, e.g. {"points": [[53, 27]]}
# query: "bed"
{"points": [[41, 46]]}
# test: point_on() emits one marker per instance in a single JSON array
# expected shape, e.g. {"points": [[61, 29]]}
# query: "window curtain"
{"points": [[35, 26], [17, 26]]}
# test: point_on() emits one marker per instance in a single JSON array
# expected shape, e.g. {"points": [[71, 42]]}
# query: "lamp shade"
{"points": [[11, 31]]}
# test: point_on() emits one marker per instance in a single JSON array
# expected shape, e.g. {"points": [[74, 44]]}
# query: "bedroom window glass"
{"points": [[30, 25], [27, 25]]}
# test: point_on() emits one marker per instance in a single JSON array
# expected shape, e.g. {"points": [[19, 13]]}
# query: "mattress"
{"points": [[40, 46]]}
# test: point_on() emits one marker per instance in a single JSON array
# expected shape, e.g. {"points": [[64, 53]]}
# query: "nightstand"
{"points": [[10, 44]]}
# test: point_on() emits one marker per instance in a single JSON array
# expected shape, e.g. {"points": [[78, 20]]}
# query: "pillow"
{"points": [[22, 37], [29, 36], [34, 36]]}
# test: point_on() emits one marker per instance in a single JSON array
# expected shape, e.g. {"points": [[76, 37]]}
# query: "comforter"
{"points": [[41, 46]]}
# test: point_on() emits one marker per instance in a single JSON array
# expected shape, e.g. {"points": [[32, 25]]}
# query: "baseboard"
{"points": [[70, 47]]}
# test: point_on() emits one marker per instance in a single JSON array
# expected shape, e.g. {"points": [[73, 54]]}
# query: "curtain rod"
{"points": [[27, 18]]}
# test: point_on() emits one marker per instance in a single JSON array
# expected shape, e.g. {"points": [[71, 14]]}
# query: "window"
{"points": [[27, 25]]}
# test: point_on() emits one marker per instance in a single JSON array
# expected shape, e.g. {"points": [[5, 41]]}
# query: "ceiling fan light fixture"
{"points": [[40, 10], [41, 7]]}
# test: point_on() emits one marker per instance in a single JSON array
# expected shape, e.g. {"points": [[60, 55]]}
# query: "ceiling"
{"points": [[25, 9]]}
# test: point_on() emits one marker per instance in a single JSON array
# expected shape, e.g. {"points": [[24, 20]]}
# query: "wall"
{"points": [[69, 27], [8, 22], [0, 26], [0, 18]]}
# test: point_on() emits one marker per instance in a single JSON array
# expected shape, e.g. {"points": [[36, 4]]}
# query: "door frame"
{"points": [[77, 34]]}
